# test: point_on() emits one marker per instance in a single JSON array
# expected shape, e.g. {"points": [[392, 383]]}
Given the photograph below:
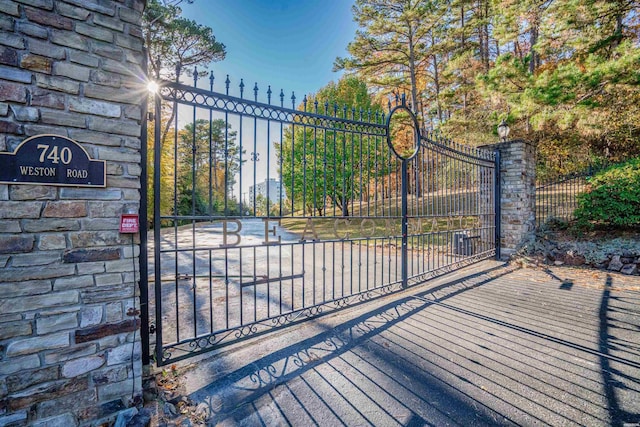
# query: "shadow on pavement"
{"points": [[503, 346]]}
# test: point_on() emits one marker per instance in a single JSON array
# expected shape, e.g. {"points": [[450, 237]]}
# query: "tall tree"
{"points": [[320, 167], [208, 159], [391, 49]]}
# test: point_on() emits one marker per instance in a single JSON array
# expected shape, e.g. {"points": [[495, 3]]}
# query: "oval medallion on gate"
{"points": [[403, 134]]}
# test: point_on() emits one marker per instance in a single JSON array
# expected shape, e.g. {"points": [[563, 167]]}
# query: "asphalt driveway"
{"points": [[491, 344]]}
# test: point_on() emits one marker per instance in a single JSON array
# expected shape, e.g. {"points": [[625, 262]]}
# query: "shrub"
{"points": [[612, 198]]}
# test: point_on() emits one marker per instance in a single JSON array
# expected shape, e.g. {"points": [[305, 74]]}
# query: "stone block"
{"points": [[96, 332], [25, 114], [90, 255], [62, 355], [130, 15], [41, 4], [100, 6], [47, 391], [90, 316], [70, 11], [73, 282], [69, 403], [105, 209], [63, 119], [110, 22], [122, 182], [109, 280], [8, 226], [92, 239], [36, 63], [128, 42], [94, 32], [21, 289], [37, 344], [31, 130], [13, 92], [16, 244], [134, 170], [38, 302], [43, 48], [98, 295], [50, 224], [65, 209], [10, 128], [115, 390], [113, 312], [107, 79], [33, 30], [8, 56], [15, 329], [84, 58], [118, 127], [629, 269], [10, 8], [108, 51], [96, 224], [98, 108], [77, 367], [615, 264], [19, 364], [52, 241], [20, 210], [38, 258], [12, 40], [69, 39], [131, 194], [73, 71], [102, 410], [90, 194], [114, 169], [120, 266], [27, 379], [96, 267], [116, 66], [63, 420], [14, 419], [57, 323], [97, 138], [119, 155]]}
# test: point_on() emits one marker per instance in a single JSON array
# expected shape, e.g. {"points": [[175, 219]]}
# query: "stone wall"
{"points": [[69, 337], [517, 201]]}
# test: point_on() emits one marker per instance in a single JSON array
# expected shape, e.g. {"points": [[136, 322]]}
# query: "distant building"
{"points": [[269, 189]]}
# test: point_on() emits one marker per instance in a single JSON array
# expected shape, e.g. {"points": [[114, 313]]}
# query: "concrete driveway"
{"points": [[491, 344]]}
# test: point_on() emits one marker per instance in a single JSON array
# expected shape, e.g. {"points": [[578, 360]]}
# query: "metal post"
{"points": [[157, 151], [405, 224], [144, 266], [497, 198]]}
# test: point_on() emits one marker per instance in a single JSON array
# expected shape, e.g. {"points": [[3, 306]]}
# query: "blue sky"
{"points": [[288, 44]]}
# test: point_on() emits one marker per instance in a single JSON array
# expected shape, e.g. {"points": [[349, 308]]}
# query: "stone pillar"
{"points": [[517, 201], [69, 325]]}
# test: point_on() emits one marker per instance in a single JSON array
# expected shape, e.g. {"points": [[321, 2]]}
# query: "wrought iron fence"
{"points": [[361, 205], [557, 194]]}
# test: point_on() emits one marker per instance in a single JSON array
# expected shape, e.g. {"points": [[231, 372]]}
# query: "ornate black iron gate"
{"points": [[264, 215]]}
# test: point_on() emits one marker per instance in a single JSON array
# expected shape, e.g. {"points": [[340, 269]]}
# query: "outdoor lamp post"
{"points": [[503, 130]]}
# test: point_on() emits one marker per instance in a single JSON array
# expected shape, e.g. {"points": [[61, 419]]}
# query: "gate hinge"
{"points": [[150, 116]]}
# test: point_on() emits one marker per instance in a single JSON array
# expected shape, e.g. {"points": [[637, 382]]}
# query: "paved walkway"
{"points": [[491, 344]]}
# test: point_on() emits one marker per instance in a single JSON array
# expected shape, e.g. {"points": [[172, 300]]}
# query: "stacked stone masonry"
{"points": [[518, 196], [69, 327]]}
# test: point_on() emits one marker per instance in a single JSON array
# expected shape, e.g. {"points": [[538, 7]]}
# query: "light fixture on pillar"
{"points": [[503, 130]]}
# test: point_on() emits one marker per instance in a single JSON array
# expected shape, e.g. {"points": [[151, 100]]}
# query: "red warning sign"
{"points": [[129, 223]]}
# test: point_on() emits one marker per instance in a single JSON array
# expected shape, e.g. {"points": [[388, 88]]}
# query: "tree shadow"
{"points": [[614, 380]]}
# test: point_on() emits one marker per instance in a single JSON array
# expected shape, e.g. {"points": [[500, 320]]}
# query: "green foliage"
{"points": [[208, 160], [322, 167], [613, 198], [176, 43]]}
